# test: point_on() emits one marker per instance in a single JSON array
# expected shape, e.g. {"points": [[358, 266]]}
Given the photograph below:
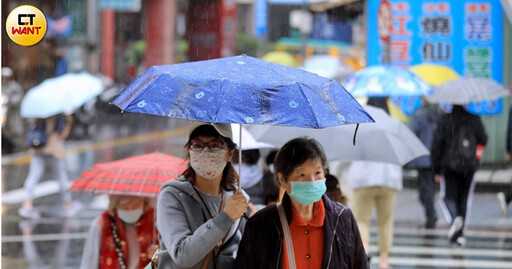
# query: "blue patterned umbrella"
{"points": [[384, 81], [467, 89], [243, 90]]}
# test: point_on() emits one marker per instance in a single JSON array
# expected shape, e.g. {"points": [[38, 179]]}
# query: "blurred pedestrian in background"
{"points": [[505, 196], [45, 138], [272, 191], [12, 123], [423, 123], [82, 132], [456, 151], [199, 214], [252, 175], [260, 186], [334, 190], [123, 236], [375, 185], [307, 229]]}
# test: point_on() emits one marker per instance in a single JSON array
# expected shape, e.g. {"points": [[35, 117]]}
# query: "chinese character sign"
{"points": [[466, 35]]}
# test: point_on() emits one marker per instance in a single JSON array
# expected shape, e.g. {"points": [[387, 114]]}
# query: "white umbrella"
{"points": [[327, 66], [465, 90], [62, 94], [386, 140], [248, 141]]}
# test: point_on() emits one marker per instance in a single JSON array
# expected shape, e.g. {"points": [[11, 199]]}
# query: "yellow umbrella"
{"points": [[434, 74], [280, 57]]}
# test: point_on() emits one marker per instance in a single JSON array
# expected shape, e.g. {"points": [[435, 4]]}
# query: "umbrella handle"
{"points": [[355, 133], [240, 159]]}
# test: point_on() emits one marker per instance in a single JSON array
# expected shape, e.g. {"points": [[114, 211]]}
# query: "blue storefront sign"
{"points": [[120, 5], [466, 35], [260, 17]]}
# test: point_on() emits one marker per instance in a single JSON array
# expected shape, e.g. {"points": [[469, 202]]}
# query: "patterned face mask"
{"points": [[208, 164]]}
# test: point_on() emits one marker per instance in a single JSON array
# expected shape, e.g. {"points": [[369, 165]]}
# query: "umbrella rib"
{"points": [[397, 157], [309, 103], [220, 103], [127, 101]]}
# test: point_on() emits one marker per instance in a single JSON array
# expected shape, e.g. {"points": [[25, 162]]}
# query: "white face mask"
{"points": [[208, 164], [129, 216]]}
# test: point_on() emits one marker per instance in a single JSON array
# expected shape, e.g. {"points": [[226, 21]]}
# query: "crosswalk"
{"points": [[419, 248]]}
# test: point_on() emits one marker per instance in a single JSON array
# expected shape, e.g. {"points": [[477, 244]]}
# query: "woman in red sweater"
{"points": [[124, 236]]}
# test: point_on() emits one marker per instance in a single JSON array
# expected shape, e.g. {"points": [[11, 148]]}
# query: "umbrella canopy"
{"points": [[383, 81], [386, 140], [248, 142], [280, 57], [434, 74], [467, 89], [135, 176], [243, 90], [62, 94]]}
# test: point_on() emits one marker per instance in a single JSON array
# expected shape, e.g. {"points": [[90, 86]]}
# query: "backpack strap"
{"points": [[287, 236]]}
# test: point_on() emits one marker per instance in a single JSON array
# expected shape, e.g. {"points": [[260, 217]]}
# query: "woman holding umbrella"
{"points": [[199, 214], [124, 236], [307, 229]]}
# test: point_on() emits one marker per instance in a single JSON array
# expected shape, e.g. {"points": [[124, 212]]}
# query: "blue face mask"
{"points": [[308, 192]]}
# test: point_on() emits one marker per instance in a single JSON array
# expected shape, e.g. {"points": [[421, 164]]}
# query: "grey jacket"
{"points": [[187, 235]]}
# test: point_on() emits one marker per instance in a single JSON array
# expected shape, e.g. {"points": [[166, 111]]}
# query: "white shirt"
{"points": [[363, 174]]}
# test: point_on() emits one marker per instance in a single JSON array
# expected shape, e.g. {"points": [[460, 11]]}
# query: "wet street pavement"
{"points": [[56, 242]]}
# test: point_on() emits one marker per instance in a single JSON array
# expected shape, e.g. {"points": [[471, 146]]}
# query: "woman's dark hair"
{"points": [[250, 156], [296, 152], [333, 189], [271, 190], [229, 175], [331, 182], [271, 157]]}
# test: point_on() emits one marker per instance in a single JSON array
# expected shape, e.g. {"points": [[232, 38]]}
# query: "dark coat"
{"points": [[423, 124], [446, 130], [262, 242]]}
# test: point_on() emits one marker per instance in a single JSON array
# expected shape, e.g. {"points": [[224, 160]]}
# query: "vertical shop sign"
{"points": [[228, 28], [466, 35], [211, 27], [260, 17]]}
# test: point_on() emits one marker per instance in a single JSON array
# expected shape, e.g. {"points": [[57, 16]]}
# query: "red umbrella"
{"points": [[136, 176]]}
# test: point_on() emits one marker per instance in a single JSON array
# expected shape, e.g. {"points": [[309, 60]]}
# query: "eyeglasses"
{"points": [[212, 146]]}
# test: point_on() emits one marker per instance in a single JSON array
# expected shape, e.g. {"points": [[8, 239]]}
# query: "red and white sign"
{"points": [[384, 20], [212, 27]]}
